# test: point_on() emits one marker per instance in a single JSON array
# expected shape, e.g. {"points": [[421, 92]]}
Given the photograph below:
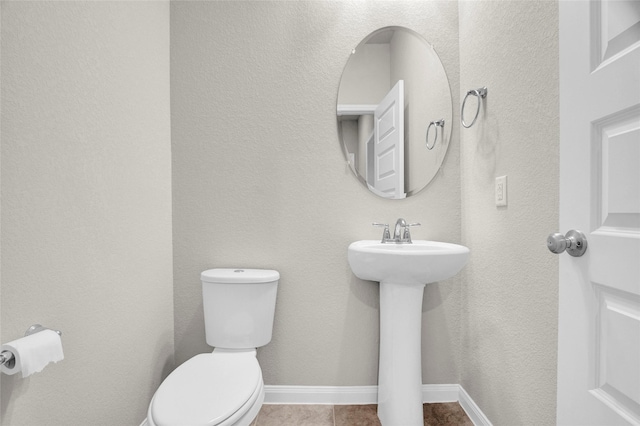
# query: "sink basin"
{"points": [[419, 263], [403, 270]]}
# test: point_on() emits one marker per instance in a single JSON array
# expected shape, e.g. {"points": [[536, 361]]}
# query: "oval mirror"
{"points": [[394, 112]]}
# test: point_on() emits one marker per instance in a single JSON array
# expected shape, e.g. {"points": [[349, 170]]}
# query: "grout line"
{"points": [[333, 410]]}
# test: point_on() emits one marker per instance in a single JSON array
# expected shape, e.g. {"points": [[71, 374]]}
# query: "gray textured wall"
{"points": [[510, 296], [86, 206], [259, 180]]}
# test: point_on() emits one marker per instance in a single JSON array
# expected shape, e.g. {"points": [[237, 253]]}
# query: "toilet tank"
{"points": [[239, 305]]}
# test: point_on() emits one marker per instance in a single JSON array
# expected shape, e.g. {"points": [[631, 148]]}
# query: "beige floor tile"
{"points": [[446, 414], [295, 415], [441, 414], [356, 415]]}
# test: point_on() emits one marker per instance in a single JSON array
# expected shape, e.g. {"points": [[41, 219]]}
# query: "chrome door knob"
{"points": [[575, 243]]}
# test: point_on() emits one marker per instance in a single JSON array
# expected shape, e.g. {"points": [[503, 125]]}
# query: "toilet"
{"points": [[224, 387]]}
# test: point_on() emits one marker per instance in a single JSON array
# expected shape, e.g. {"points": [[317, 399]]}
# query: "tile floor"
{"points": [[448, 414]]}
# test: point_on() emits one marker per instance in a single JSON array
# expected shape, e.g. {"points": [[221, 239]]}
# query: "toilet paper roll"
{"points": [[33, 353]]}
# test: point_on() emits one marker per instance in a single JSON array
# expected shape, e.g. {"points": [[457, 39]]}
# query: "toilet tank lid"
{"points": [[239, 275]]}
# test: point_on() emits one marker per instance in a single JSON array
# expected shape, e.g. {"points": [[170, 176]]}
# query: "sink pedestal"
{"points": [[403, 270], [400, 365]]}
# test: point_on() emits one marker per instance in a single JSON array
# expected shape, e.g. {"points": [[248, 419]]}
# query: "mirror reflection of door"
{"points": [[388, 144], [375, 66]]}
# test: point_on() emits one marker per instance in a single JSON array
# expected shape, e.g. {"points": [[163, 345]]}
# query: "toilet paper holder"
{"points": [[7, 358]]}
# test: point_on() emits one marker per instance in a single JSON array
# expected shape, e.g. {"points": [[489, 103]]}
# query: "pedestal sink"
{"points": [[403, 270]]}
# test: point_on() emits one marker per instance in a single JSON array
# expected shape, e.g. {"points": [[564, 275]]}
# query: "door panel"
{"points": [[599, 304], [615, 28], [389, 144]]}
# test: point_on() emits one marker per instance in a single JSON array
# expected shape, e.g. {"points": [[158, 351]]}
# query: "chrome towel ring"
{"points": [[436, 124], [481, 93]]}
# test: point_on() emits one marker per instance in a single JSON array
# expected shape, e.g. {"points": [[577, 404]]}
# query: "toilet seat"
{"points": [[209, 389]]}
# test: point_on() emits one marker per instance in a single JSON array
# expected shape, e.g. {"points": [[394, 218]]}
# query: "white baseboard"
{"points": [[333, 395], [471, 408], [440, 393], [358, 395]]}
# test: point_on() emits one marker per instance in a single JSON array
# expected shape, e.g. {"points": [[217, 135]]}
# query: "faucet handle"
{"points": [[407, 235], [386, 235]]}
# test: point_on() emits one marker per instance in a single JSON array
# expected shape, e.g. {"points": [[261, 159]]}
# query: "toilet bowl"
{"points": [[224, 387]]}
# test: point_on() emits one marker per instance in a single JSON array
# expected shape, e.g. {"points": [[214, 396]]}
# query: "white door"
{"points": [[599, 305], [388, 150]]}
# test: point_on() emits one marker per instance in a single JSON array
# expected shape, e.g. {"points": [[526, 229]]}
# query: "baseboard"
{"points": [[359, 395], [440, 393], [471, 408], [333, 395]]}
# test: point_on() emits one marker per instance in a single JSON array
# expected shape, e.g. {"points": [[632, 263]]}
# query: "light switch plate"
{"points": [[501, 191]]}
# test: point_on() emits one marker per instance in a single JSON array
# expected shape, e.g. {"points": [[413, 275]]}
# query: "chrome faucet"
{"points": [[401, 225], [401, 234]]}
